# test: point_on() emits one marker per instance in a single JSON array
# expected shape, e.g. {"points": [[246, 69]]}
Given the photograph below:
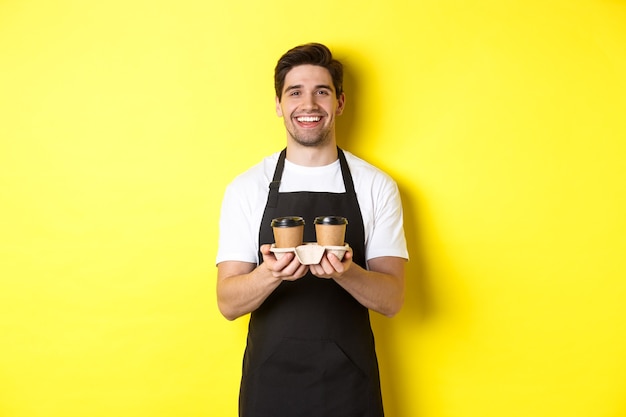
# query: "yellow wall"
{"points": [[122, 121]]}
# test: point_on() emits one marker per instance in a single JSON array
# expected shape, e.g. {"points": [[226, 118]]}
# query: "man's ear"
{"points": [[341, 102], [279, 111]]}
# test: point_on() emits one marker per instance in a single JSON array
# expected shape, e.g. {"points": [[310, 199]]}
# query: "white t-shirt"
{"points": [[246, 196]]}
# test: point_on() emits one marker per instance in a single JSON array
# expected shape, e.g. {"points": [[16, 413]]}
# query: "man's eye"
{"points": [[322, 92], [294, 93]]}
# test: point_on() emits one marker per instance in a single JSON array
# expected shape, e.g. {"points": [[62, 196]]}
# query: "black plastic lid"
{"points": [[291, 221], [331, 220]]}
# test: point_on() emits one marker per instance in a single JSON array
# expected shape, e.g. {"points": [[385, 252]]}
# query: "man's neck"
{"points": [[312, 156]]}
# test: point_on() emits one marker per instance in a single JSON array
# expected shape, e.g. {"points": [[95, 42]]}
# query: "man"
{"points": [[310, 349]]}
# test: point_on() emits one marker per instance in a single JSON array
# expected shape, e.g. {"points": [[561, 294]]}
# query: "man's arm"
{"points": [[381, 288], [242, 286]]}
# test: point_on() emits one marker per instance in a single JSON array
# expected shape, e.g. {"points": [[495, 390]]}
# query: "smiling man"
{"points": [[309, 105], [310, 349]]}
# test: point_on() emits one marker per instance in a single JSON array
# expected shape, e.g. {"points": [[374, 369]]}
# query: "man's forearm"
{"points": [[379, 291], [242, 287], [240, 294]]}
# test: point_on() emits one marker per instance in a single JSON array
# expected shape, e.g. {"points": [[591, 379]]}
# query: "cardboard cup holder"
{"points": [[310, 253]]}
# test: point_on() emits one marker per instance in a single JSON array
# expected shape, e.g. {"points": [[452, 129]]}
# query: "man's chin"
{"points": [[311, 142]]}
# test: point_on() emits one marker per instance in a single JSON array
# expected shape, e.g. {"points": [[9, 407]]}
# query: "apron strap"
{"points": [[345, 172], [272, 199]]}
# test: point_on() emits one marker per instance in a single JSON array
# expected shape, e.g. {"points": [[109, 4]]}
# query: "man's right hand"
{"points": [[287, 268]]}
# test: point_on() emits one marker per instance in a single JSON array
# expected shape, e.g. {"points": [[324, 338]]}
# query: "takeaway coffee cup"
{"points": [[288, 231], [330, 230]]}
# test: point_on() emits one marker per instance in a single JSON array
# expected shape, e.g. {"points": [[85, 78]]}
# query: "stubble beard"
{"points": [[310, 139]]}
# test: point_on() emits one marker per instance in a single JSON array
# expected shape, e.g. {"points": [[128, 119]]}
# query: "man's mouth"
{"points": [[308, 119]]}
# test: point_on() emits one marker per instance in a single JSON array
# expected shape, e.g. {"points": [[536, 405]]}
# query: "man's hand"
{"points": [[331, 267], [287, 268]]}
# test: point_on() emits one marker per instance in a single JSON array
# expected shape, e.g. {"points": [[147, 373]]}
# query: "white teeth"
{"points": [[309, 119]]}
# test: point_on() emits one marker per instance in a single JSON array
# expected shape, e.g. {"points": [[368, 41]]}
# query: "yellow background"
{"points": [[503, 122]]}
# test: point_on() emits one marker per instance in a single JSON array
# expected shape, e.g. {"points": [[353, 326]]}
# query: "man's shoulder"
{"points": [[361, 168]]}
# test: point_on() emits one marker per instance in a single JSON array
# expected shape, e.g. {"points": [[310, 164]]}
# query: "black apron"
{"points": [[310, 349]]}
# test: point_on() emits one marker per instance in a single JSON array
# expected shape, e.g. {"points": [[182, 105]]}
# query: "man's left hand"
{"points": [[331, 267]]}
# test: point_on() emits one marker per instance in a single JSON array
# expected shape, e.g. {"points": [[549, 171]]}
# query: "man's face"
{"points": [[309, 105]]}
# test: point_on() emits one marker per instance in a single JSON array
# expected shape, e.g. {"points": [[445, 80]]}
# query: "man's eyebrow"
{"points": [[293, 87], [298, 86]]}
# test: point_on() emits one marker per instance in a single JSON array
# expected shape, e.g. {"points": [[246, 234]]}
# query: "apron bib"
{"points": [[310, 348]]}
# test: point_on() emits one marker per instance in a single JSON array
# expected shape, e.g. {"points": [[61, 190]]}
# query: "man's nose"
{"points": [[310, 102]]}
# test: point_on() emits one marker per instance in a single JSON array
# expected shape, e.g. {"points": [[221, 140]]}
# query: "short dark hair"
{"points": [[308, 54]]}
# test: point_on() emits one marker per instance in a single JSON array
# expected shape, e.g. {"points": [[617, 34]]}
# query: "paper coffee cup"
{"points": [[288, 231], [330, 230]]}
